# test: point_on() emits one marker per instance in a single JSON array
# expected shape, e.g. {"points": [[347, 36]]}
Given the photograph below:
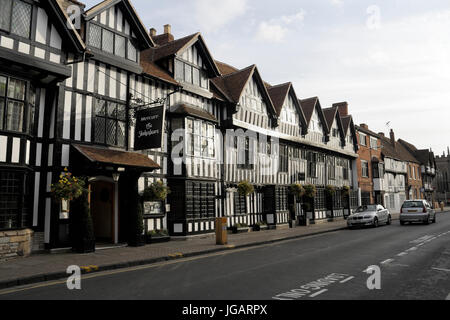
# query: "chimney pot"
{"points": [[152, 32], [392, 137], [168, 29]]}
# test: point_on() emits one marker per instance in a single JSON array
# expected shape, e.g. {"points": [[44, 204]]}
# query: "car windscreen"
{"points": [[367, 208], [413, 204]]}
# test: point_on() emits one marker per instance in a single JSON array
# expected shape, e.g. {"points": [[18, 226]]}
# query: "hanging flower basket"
{"points": [[345, 190], [68, 187], [157, 191], [330, 190], [310, 190], [297, 190], [245, 188]]}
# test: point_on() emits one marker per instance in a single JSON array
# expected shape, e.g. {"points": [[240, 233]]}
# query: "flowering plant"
{"points": [[297, 190], [68, 187], [157, 191], [245, 188], [310, 190]]}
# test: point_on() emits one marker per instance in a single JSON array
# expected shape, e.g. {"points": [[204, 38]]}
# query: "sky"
{"points": [[389, 59]]}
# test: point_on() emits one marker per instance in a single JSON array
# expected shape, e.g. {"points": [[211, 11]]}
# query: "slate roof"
{"points": [[330, 115], [153, 70]]}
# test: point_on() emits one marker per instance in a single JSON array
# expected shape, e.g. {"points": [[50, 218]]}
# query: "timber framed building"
{"points": [[67, 97]]}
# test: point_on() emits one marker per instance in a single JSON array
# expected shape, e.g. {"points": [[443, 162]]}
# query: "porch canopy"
{"points": [[89, 158]]}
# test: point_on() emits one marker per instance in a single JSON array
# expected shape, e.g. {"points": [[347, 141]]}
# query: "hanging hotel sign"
{"points": [[149, 128]]}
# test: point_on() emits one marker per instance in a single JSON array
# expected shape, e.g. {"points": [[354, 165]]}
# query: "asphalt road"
{"points": [[414, 262]]}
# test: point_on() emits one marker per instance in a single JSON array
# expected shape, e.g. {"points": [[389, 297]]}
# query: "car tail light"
{"points": [[424, 209]]}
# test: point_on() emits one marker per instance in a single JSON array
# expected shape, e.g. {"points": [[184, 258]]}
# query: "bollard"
{"points": [[221, 231]]}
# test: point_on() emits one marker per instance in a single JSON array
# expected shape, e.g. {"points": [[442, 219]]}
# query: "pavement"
{"points": [[413, 263], [46, 267]]}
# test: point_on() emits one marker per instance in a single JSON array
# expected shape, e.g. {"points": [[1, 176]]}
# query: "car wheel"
{"points": [[375, 222], [402, 223], [434, 219], [389, 221], [427, 221]]}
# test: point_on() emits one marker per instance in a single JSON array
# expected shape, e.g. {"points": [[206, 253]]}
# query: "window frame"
{"points": [[28, 125], [106, 118], [10, 26], [364, 165]]}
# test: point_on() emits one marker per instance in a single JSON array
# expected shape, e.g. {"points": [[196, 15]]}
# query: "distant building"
{"points": [[443, 177]]}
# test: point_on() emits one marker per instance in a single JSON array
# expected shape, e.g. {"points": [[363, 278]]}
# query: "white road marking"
{"points": [[412, 249], [422, 239], [402, 254], [387, 261], [441, 269], [346, 280], [318, 293]]}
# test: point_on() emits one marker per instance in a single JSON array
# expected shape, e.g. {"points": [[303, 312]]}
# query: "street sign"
{"points": [[149, 128]]}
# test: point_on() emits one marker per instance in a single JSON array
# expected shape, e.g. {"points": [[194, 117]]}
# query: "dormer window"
{"points": [[16, 17]]}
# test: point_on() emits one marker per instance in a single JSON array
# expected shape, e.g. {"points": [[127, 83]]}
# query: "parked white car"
{"points": [[370, 215], [417, 211]]}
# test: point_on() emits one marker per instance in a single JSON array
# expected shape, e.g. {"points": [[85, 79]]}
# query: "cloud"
{"points": [[212, 15], [337, 2], [277, 29]]}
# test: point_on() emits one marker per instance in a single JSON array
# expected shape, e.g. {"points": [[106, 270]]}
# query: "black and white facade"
{"points": [[67, 95]]}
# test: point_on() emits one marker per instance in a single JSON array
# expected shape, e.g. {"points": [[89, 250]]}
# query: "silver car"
{"points": [[417, 211], [370, 215]]}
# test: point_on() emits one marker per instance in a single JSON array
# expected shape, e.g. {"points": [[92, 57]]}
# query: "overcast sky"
{"points": [[389, 59]]}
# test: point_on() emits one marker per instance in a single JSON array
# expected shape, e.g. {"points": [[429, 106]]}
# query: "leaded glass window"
{"points": [[95, 36], [108, 41], [109, 125], [132, 54], [5, 14], [120, 46], [14, 107], [21, 19]]}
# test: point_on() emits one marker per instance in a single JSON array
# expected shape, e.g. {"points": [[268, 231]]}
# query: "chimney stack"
{"points": [[167, 29], [381, 134], [342, 108], [392, 137], [152, 32], [364, 126]]}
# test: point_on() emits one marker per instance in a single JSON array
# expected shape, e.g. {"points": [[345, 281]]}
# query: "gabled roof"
{"points": [[332, 115], [176, 47], [137, 24], [279, 93], [308, 106], [225, 68], [69, 35], [233, 85], [346, 123], [424, 156]]}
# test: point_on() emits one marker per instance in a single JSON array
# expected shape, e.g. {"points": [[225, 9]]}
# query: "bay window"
{"points": [[15, 17], [186, 72]]}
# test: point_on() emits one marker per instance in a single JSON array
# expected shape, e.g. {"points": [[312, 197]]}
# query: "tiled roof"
{"points": [[346, 121], [169, 49], [388, 149], [153, 70], [308, 106], [116, 157], [233, 84], [330, 115], [225, 68], [278, 95], [367, 131], [187, 109]]}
